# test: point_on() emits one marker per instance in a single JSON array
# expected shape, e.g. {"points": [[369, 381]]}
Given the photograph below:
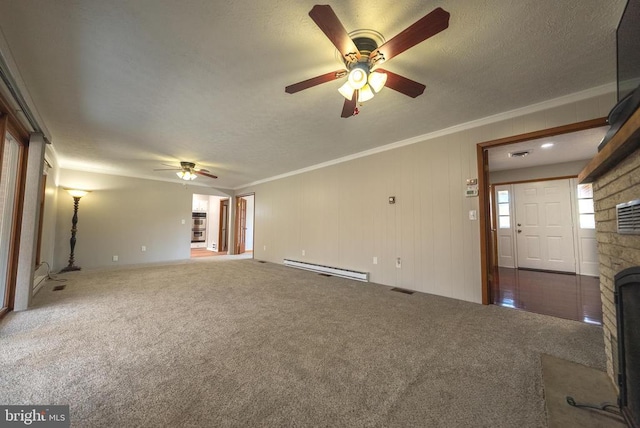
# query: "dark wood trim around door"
{"points": [[484, 193]]}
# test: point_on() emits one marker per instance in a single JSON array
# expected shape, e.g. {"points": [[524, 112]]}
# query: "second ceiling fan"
{"points": [[362, 55]]}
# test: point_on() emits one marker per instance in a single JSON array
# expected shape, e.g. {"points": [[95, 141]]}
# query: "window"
{"points": [[504, 217], [8, 192], [585, 206]]}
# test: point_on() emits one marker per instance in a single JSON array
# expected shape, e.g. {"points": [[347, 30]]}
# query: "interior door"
{"points": [[544, 226], [241, 225], [223, 238]]}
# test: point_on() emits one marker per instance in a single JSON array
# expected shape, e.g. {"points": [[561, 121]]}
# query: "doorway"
{"points": [[243, 224], [223, 230], [527, 219]]}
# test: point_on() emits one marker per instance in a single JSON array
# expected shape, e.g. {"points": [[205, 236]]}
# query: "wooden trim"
{"points": [[17, 217], [221, 242], [535, 180], [43, 191], [6, 298], [483, 187], [559, 130], [14, 126], [623, 143]]}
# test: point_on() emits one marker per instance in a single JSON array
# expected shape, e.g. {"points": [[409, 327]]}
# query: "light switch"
{"points": [[473, 215]]}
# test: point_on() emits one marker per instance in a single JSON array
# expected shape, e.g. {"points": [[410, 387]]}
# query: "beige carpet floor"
{"points": [[234, 343]]}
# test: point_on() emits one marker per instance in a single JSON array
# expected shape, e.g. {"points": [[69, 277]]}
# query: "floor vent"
{"points": [[325, 274], [261, 261], [402, 290], [333, 271], [59, 287]]}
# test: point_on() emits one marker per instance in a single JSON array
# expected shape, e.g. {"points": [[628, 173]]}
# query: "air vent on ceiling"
{"points": [[629, 217], [519, 154]]}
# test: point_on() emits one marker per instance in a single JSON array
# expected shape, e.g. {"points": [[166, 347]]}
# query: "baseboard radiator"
{"points": [[334, 271]]}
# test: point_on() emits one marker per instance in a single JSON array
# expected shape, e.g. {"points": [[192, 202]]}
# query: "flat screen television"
{"points": [[628, 49], [628, 69]]}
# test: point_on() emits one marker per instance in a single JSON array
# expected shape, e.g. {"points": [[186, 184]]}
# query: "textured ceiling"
{"points": [[124, 86], [581, 145]]}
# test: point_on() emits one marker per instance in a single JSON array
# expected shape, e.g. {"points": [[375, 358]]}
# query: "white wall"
{"points": [[248, 246], [340, 216], [47, 246], [121, 215]]}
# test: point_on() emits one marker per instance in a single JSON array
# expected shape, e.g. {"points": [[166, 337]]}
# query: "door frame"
{"points": [[9, 126], [236, 218], [223, 244], [484, 194]]}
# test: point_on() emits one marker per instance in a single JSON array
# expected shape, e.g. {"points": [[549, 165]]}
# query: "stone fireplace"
{"points": [[616, 251], [615, 174]]}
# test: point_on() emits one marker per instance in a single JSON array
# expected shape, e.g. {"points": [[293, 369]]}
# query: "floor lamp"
{"points": [[77, 194]]}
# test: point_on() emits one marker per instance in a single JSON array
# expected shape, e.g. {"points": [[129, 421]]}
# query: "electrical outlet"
{"points": [[114, 258], [303, 252], [143, 248], [398, 263], [375, 260], [264, 248], [182, 221]]}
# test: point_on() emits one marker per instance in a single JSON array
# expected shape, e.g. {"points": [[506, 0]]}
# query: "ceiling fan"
{"points": [[187, 171], [363, 51]]}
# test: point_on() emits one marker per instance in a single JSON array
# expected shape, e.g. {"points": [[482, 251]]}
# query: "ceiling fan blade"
{"points": [[349, 107], [429, 25], [331, 26], [296, 87], [168, 169], [402, 84], [200, 172]]}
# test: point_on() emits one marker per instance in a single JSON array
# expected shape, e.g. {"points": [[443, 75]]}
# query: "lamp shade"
{"points": [[365, 94], [358, 76], [346, 90], [77, 193], [186, 175], [377, 81]]}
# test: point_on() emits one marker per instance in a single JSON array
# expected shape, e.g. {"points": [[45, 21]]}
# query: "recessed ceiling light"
{"points": [[546, 145]]}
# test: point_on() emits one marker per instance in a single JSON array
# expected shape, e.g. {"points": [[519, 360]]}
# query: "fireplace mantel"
{"points": [[623, 143]]}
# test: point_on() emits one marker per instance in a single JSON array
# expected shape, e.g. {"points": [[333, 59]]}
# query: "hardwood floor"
{"points": [[203, 252], [574, 297]]}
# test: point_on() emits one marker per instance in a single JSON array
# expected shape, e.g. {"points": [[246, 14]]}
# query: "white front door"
{"points": [[544, 230]]}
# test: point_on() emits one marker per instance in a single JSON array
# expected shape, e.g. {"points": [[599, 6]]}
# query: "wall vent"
{"points": [[334, 271], [629, 217]]}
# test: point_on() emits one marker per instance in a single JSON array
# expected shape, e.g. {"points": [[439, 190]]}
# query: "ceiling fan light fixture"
{"points": [[358, 76], [377, 81], [365, 94], [346, 90], [186, 175]]}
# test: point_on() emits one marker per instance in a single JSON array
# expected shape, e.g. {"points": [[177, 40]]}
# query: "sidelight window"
{"points": [[586, 210], [504, 214]]}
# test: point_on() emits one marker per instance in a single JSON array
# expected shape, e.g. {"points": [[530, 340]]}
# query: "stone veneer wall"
{"points": [[617, 252]]}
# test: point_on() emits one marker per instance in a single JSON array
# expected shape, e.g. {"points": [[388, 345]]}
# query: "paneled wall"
{"points": [[340, 215]]}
